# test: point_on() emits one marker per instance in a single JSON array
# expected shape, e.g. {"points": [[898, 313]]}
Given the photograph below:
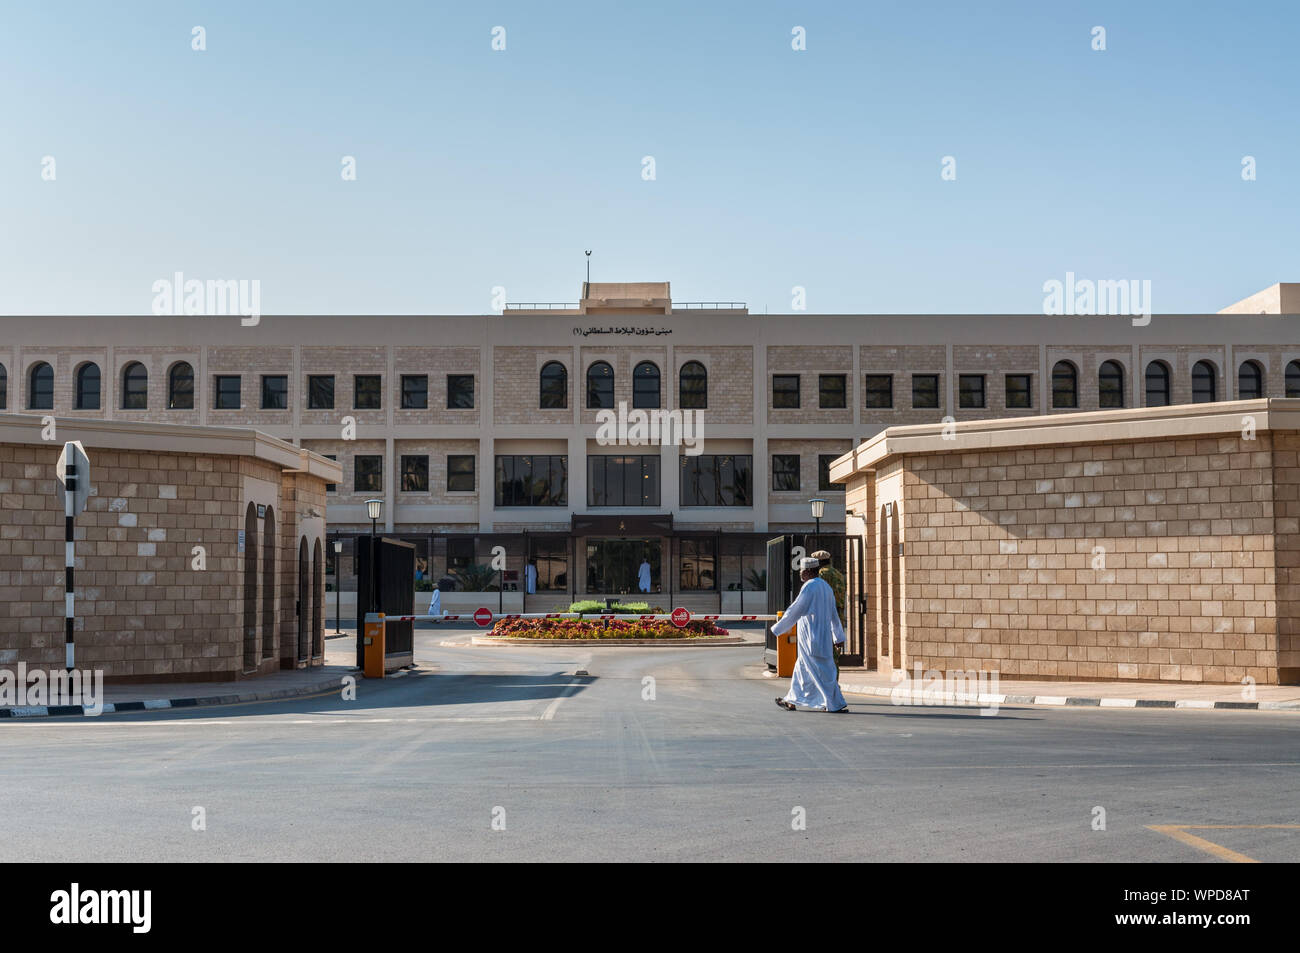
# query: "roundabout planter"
{"points": [[570, 643]]}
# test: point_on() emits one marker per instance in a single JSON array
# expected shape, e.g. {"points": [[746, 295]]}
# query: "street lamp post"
{"points": [[373, 509], [338, 587], [818, 507]]}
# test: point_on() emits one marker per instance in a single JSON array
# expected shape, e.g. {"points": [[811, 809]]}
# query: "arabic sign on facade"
{"points": [[585, 332]]}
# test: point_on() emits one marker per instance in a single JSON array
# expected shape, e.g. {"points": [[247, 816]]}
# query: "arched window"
{"points": [[693, 392], [135, 387], [1292, 380], [1157, 384], [1205, 385], [645, 386], [4, 388], [180, 387], [1065, 385], [88, 387], [1110, 384], [1250, 381], [600, 386], [555, 386], [40, 387]]}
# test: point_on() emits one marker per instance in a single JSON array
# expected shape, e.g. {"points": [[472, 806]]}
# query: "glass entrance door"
{"points": [[623, 566]]}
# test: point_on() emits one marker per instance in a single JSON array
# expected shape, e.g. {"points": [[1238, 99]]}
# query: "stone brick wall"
{"points": [[808, 451], [516, 388], [437, 451], [623, 359], [345, 363], [810, 363], [144, 611], [731, 382], [251, 364], [902, 362], [438, 363], [995, 362], [1003, 562], [1286, 512]]}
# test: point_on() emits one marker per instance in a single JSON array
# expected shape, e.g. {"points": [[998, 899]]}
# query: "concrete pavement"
{"points": [[658, 754]]}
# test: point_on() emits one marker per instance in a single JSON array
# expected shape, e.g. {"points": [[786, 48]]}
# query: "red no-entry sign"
{"points": [[681, 616], [483, 616]]}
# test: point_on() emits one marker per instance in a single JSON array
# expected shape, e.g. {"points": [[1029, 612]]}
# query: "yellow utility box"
{"points": [[787, 650], [374, 645]]}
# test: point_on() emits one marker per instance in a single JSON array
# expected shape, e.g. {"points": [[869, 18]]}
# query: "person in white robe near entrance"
{"points": [[643, 575], [435, 602], [814, 683]]}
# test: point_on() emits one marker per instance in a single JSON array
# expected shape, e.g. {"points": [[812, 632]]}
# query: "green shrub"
{"points": [[590, 606]]}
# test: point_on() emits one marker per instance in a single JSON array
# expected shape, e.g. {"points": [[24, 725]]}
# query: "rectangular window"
{"points": [[785, 390], [460, 391], [879, 390], [320, 391], [460, 473], [226, 392], [275, 392], [460, 553], [331, 487], [698, 559], [368, 474], [415, 474], [970, 390], [716, 480], [415, 391], [367, 394], [532, 480], [785, 471], [824, 484], [623, 481], [1019, 390], [925, 391], [832, 390]]}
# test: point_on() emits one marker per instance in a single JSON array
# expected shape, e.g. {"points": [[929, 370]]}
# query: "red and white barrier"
{"points": [[484, 617]]}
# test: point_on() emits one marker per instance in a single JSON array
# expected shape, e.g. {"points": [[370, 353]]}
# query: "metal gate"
{"points": [[783, 585], [390, 591]]}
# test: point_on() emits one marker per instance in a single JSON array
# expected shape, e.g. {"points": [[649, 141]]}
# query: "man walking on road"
{"points": [[814, 683]]}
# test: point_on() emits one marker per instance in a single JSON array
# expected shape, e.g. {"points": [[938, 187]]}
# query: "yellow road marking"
{"points": [[1179, 833]]}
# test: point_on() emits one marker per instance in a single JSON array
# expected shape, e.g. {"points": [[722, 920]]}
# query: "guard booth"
{"points": [[384, 585], [783, 555]]}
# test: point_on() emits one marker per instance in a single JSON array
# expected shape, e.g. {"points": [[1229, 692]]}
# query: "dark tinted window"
{"points": [[415, 391], [785, 471], [925, 391], [226, 392], [785, 390], [320, 392]]}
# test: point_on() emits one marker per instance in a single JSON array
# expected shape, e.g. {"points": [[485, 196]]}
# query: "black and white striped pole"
{"points": [[73, 470]]}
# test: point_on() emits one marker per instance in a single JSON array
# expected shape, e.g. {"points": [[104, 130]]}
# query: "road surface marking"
{"points": [[569, 690], [1179, 833]]}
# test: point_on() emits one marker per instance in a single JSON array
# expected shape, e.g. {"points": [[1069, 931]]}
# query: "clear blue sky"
{"points": [[774, 168]]}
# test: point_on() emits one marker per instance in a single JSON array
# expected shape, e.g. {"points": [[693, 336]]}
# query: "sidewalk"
{"points": [[340, 660], [858, 681]]}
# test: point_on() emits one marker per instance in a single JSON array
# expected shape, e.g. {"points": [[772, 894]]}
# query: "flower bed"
{"points": [[604, 629]]}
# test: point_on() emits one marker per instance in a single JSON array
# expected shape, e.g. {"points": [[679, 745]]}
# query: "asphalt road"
{"points": [[587, 768]]}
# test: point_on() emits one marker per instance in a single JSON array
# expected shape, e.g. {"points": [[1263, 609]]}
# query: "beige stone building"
{"points": [[200, 555], [1154, 544], [482, 430]]}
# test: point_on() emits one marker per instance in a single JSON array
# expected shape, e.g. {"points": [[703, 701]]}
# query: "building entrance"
{"points": [[624, 566]]}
